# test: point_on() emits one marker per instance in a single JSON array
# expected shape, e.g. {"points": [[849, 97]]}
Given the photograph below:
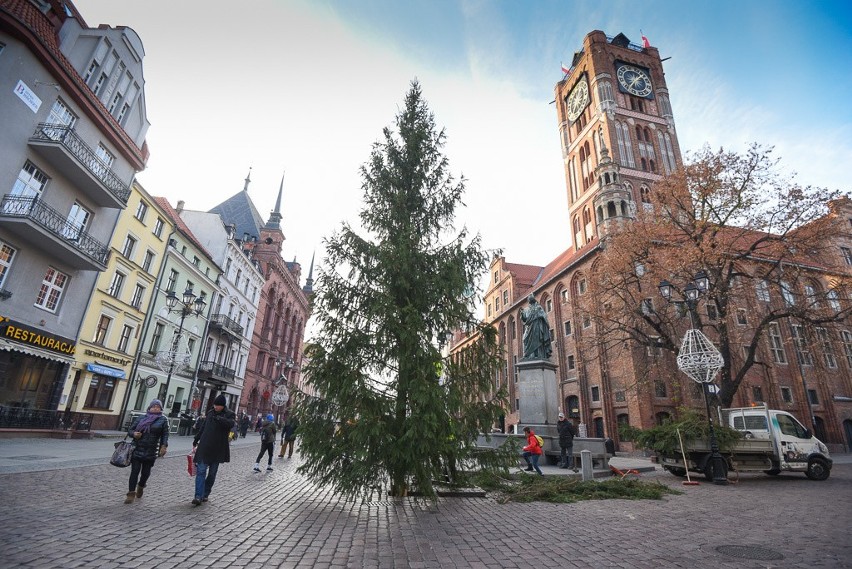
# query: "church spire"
{"points": [[247, 180], [309, 282], [275, 217]]}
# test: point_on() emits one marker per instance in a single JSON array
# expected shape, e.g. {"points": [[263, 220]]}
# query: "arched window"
{"points": [[599, 214], [639, 136], [572, 406], [572, 180], [578, 236], [610, 210], [644, 164], [645, 195], [587, 224]]}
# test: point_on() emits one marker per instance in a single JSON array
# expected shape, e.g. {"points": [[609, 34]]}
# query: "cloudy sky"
{"points": [[306, 87]]}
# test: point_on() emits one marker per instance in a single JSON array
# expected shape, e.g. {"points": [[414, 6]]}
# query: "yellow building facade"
{"points": [[112, 326]]}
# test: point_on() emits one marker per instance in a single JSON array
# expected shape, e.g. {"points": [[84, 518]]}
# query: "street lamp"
{"points": [[700, 360], [189, 304]]}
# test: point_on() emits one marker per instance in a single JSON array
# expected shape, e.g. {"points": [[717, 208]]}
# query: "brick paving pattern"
{"points": [[75, 518]]}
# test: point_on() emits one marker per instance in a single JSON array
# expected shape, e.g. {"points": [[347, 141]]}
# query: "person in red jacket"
{"points": [[532, 451]]}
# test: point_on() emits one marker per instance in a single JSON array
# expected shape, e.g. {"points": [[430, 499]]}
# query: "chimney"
{"points": [[231, 230], [179, 207]]}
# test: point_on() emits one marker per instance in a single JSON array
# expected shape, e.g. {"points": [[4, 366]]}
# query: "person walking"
{"points": [[245, 423], [151, 434], [567, 432], [211, 447], [532, 451], [288, 436], [267, 441], [259, 423]]}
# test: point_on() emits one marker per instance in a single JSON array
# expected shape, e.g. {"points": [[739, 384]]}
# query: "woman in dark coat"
{"points": [[151, 434]]}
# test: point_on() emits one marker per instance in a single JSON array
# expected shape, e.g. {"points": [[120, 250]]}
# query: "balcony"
{"points": [[226, 324], [45, 228], [65, 150], [211, 371]]}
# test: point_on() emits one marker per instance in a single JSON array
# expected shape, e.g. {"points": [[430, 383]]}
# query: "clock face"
{"points": [[578, 99], [634, 80]]}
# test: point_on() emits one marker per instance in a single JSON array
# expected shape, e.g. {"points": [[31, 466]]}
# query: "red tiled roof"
{"points": [[23, 19], [181, 226]]}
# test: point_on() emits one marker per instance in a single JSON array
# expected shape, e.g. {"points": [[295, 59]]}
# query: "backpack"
{"points": [[540, 441], [264, 436]]}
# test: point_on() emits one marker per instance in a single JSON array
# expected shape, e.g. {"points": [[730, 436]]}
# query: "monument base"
{"points": [[538, 397]]}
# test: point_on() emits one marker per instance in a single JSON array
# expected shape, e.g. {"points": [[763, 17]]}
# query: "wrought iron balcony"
{"points": [[213, 371], [226, 323], [63, 148], [45, 228]]}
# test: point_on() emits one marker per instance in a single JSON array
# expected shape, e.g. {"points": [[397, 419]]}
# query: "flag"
{"points": [[565, 70], [645, 42]]}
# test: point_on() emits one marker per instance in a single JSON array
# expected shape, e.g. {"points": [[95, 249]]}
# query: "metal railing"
{"points": [[227, 323], [217, 370], [68, 138], [25, 418], [51, 220]]}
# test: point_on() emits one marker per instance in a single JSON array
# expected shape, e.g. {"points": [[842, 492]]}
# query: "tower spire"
{"points": [[309, 282], [247, 180], [275, 217]]}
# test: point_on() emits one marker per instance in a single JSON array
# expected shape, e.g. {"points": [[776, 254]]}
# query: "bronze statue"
{"points": [[537, 339]]}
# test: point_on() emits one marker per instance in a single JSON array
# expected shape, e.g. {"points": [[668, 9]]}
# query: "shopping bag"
{"points": [[190, 463], [123, 453]]}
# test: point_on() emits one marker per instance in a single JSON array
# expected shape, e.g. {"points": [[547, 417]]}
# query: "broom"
{"points": [[688, 481]]}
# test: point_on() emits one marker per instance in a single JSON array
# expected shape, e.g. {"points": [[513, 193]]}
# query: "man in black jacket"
{"points": [[211, 447], [566, 442]]}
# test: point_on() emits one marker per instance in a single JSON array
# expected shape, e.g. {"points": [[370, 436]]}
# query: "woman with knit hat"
{"points": [[211, 447], [151, 434]]}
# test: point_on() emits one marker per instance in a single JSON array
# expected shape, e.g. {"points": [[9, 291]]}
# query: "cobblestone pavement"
{"points": [[74, 517]]}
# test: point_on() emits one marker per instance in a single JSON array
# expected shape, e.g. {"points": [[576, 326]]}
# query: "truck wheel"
{"points": [[773, 472], [681, 472], [817, 469]]}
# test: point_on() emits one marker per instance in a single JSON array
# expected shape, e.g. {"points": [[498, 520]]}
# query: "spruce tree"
{"points": [[391, 412]]}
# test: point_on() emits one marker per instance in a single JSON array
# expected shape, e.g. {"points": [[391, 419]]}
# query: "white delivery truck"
{"points": [[772, 442]]}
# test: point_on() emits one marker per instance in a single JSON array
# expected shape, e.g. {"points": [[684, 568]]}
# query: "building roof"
{"points": [[175, 218], [240, 211]]}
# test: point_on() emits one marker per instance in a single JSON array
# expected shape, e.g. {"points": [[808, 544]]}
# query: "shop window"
{"points": [[100, 392]]}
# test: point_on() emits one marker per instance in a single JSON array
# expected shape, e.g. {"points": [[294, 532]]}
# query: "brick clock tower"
{"points": [[617, 132]]}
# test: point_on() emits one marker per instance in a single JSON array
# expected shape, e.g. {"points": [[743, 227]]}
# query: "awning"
{"points": [[106, 370], [33, 351]]}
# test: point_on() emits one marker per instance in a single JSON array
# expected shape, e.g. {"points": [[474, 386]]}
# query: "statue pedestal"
{"points": [[539, 399]]}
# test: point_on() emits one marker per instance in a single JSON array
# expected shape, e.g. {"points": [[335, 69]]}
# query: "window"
{"points": [[158, 227], [30, 183], [100, 392], [660, 388], [488, 307], [549, 305], [563, 295], [51, 289], [515, 367], [7, 255], [787, 394], [787, 293], [102, 330], [619, 398], [505, 298], [105, 156], [155, 338], [742, 318], [846, 338], [827, 350], [196, 261], [78, 220], [581, 286], [567, 326], [149, 260], [803, 356], [596, 393], [833, 301], [811, 297], [790, 426], [776, 345], [124, 340], [571, 363], [587, 321], [129, 246], [138, 294], [172, 282], [141, 211], [762, 291], [757, 394], [812, 397], [116, 285], [60, 114], [513, 331], [496, 302], [847, 255], [496, 277]]}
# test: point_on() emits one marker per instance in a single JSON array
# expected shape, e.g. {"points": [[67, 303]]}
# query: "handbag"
{"points": [[190, 463], [123, 453]]}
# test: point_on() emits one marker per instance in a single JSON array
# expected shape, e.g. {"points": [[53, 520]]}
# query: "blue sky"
{"points": [[306, 87]]}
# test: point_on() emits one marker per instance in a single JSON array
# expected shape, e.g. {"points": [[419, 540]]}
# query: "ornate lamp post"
{"points": [[189, 304], [700, 360]]}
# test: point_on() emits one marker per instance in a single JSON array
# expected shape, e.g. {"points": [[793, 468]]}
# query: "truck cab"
{"points": [[796, 449]]}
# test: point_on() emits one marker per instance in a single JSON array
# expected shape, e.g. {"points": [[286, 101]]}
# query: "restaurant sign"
{"points": [[24, 334]]}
